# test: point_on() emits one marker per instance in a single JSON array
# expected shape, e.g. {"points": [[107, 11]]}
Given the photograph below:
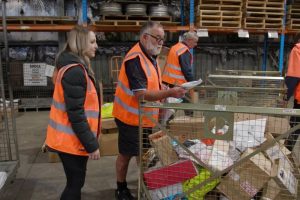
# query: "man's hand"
{"points": [[177, 92], [95, 155]]}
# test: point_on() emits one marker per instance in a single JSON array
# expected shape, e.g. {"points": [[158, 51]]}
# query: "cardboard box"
{"points": [[185, 127], [162, 144], [276, 152], [108, 123], [296, 154], [271, 190], [109, 144], [53, 157], [284, 176], [245, 180], [275, 125]]}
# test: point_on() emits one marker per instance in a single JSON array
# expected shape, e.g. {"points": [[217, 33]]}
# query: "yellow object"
{"points": [[106, 110], [200, 193]]}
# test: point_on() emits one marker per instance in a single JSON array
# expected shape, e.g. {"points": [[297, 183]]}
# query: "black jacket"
{"points": [[74, 85]]}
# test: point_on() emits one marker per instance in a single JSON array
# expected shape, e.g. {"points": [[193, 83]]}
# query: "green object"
{"points": [[200, 193], [106, 110]]}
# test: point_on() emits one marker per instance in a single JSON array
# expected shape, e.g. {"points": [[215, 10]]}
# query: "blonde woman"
{"points": [[74, 116]]}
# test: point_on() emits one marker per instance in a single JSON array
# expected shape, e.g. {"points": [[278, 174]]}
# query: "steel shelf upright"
{"points": [[282, 39]]}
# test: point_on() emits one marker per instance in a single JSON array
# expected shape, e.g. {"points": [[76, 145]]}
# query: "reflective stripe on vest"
{"points": [[60, 135], [172, 72], [63, 128], [125, 103], [62, 107], [178, 77]]}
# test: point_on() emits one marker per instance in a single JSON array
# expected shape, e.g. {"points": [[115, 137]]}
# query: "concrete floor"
{"points": [[38, 179]]}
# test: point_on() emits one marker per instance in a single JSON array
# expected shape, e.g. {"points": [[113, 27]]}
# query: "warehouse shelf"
{"points": [[97, 28], [124, 28], [58, 26]]}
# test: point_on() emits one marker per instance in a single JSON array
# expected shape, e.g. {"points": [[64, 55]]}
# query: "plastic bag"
{"points": [[200, 193], [106, 110]]}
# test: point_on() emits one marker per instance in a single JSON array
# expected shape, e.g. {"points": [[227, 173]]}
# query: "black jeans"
{"points": [[293, 137], [75, 170]]}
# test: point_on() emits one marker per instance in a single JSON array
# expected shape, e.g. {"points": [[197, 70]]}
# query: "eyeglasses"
{"points": [[158, 39]]}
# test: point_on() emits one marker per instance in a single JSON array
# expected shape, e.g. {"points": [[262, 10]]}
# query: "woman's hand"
{"points": [[95, 155]]}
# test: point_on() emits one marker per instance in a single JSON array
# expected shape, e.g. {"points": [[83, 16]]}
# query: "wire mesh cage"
{"points": [[247, 72], [263, 91], [219, 152], [9, 157]]}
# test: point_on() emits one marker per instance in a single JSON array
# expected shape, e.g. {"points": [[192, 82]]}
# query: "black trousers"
{"points": [[293, 137], [75, 170]]}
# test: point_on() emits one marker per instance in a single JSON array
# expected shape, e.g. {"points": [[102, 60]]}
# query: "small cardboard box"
{"points": [[284, 176], [109, 144], [276, 152], [271, 190], [245, 180], [276, 125], [53, 157], [162, 144], [108, 123], [185, 127]]}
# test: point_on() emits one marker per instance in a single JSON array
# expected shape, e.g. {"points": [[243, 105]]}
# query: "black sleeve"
{"points": [[291, 83], [74, 85], [136, 75], [186, 68]]}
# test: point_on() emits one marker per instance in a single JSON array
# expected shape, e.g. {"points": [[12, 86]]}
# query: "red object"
{"points": [[208, 142], [169, 175]]}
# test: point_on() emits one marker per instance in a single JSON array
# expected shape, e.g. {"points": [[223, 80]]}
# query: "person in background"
{"points": [[292, 81], [139, 78], [74, 123], [178, 68]]}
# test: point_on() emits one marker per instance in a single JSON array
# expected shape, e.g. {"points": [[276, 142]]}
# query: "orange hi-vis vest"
{"points": [[126, 104], [60, 135], [294, 69], [172, 73]]}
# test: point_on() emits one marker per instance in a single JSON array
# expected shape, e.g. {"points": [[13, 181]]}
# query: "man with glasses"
{"points": [[139, 78], [178, 68]]}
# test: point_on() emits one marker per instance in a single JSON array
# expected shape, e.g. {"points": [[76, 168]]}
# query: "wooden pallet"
{"points": [[275, 1], [221, 2], [218, 7], [293, 24], [220, 19], [40, 20], [264, 10], [207, 13], [218, 24], [136, 18], [259, 5], [262, 23], [263, 14]]}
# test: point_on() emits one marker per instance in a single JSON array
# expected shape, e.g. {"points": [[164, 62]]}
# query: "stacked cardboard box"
{"points": [[109, 138], [247, 179]]}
